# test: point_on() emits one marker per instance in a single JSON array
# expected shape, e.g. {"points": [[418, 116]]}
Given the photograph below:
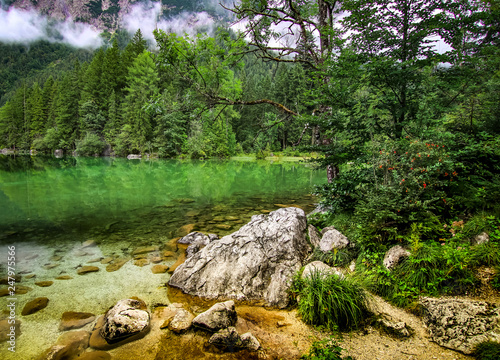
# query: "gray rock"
{"points": [[481, 239], [181, 321], [398, 329], [321, 267], [133, 156], [255, 263], [328, 228], [352, 266], [58, 153], [461, 324], [127, 318], [219, 316], [213, 237], [227, 339], [333, 239], [196, 241], [250, 342], [394, 256], [314, 235]]}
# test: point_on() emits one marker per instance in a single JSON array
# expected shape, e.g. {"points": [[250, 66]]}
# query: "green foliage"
{"points": [[326, 349], [431, 269], [90, 145], [496, 279], [487, 254], [330, 301], [487, 350]]}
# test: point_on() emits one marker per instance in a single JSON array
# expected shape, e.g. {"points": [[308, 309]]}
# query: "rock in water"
{"points": [[255, 263], [460, 324], [227, 339], [127, 318], [74, 320], [219, 316], [35, 305]]}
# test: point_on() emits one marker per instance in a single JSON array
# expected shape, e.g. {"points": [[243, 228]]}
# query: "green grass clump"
{"points": [[330, 301], [485, 254], [326, 349], [488, 350]]}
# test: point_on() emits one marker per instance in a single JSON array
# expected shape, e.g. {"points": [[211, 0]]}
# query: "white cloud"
{"points": [[147, 18], [26, 26], [21, 26]]}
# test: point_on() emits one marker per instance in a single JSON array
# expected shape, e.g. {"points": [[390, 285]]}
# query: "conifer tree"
{"points": [[36, 112], [142, 82]]}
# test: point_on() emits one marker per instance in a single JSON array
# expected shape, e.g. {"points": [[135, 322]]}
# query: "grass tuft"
{"points": [[488, 350], [329, 301]]}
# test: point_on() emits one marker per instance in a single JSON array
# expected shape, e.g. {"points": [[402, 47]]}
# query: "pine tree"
{"points": [[36, 112], [142, 82]]}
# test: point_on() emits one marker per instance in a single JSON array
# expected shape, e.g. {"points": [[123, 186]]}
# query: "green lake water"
{"points": [[50, 207]]}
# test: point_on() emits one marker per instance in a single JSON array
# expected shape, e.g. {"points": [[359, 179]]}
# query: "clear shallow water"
{"points": [[49, 207]]}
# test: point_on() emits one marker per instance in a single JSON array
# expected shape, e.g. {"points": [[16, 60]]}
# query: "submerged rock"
{"points": [[181, 321], [74, 320], [35, 305], [116, 265], [95, 355], [5, 330], [127, 318], [219, 316], [159, 269], [250, 342], [87, 269], [68, 346], [46, 283], [228, 339], [256, 262], [460, 324], [196, 241]]}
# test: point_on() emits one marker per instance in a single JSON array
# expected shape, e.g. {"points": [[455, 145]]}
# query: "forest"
{"points": [[400, 98]]}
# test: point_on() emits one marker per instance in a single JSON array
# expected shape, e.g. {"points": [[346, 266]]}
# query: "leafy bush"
{"points": [[326, 349], [90, 145], [330, 301], [488, 350], [431, 269]]}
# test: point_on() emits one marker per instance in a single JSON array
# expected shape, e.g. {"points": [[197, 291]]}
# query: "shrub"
{"points": [[90, 145], [488, 350], [330, 301], [326, 349], [431, 269]]}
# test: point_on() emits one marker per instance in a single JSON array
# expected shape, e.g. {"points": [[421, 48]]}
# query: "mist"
{"points": [[26, 26], [147, 17]]}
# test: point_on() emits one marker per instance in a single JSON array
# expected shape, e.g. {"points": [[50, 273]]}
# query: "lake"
{"points": [[122, 217]]}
